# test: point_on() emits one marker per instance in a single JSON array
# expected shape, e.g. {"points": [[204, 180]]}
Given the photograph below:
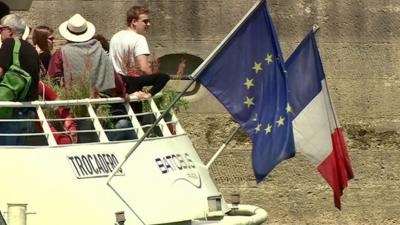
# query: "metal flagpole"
{"points": [[222, 147], [211, 57], [193, 76], [315, 28]]}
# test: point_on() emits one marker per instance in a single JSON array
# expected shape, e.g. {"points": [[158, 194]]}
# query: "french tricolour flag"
{"points": [[316, 129]]}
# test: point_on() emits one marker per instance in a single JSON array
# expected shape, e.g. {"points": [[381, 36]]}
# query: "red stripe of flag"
{"points": [[336, 168]]}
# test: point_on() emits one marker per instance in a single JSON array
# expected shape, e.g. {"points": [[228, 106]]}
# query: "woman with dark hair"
{"points": [[103, 41], [43, 40]]}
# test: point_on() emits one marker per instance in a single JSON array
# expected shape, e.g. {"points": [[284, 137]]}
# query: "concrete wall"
{"points": [[358, 41], [294, 192]]}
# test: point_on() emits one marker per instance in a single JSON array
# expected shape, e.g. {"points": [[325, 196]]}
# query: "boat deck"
{"points": [[94, 124]]}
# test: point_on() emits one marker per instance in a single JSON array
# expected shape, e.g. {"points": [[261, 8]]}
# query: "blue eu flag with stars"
{"points": [[247, 76]]}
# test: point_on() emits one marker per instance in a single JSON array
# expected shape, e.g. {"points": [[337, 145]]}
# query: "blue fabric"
{"points": [[122, 135], [17, 127], [305, 74], [256, 98]]}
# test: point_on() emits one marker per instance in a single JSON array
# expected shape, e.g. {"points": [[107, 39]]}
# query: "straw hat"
{"points": [[77, 29]]}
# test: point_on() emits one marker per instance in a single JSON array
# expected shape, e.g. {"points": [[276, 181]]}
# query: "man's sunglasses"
{"points": [[146, 21]]}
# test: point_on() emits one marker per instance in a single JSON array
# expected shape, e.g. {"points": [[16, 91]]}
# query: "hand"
{"points": [[140, 95], [127, 98], [145, 95]]}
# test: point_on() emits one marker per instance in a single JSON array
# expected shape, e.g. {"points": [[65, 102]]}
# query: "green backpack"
{"points": [[15, 84]]}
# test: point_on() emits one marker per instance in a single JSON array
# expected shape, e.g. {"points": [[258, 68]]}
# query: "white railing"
{"points": [[97, 129]]}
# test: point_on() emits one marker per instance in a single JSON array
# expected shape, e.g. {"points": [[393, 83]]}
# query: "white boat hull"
{"points": [[150, 190], [163, 181]]}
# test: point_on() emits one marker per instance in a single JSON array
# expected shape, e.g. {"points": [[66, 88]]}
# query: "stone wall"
{"points": [[358, 41], [294, 192], [359, 46]]}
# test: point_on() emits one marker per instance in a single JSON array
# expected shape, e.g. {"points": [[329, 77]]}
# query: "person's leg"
{"points": [[132, 85], [122, 135], [129, 134], [7, 128], [25, 127], [157, 81], [17, 127]]}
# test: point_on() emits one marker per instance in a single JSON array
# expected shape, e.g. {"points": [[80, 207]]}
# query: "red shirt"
{"points": [[56, 68]]}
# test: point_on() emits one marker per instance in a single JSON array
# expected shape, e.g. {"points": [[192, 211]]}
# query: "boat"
{"points": [[156, 178]]}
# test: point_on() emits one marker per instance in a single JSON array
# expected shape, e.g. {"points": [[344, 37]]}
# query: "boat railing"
{"points": [[93, 127]]}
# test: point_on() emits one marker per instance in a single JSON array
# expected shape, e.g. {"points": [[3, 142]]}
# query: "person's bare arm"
{"points": [[1, 71], [143, 63]]}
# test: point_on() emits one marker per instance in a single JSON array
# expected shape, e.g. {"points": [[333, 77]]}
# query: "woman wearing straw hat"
{"points": [[81, 56], [82, 59]]}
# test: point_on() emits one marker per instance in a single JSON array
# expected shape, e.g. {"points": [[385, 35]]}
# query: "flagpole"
{"points": [[193, 77], [222, 147], [205, 63], [315, 28], [331, 103]]}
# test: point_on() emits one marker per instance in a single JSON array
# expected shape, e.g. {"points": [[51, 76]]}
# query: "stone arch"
{"points": [[169, 64]]}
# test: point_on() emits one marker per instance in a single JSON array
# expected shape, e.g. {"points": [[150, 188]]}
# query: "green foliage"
{"points": [[54, 84], [104, 110], [168, 96], [79, 90]]}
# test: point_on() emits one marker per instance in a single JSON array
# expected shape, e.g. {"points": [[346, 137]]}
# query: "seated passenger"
{"points": [[129, 53], [81, 59], [117, 109]]}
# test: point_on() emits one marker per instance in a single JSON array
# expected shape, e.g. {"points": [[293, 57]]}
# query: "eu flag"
{"points": [[247, 76]]}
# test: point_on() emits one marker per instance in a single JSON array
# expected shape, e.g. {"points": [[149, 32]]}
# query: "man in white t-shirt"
{"points": [[129, 53]]}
